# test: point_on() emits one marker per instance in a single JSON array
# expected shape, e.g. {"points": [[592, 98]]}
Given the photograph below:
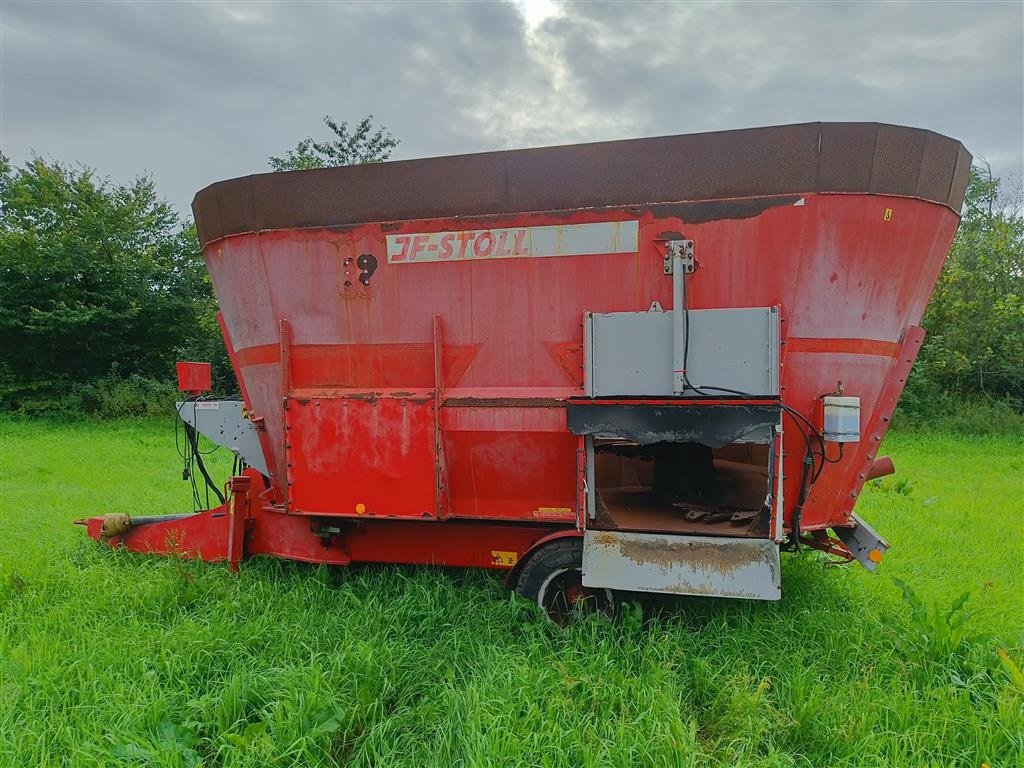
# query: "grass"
{"points": [[113, 658]]}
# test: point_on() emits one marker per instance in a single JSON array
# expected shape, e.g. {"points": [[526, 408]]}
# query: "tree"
{"points": [[351, 147], [975, 321], [95, 278]]}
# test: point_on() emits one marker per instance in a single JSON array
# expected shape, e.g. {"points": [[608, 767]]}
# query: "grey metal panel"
{"points": [[861, 539], [631, 353], [223, 423], [682, 565], [588, 342]]}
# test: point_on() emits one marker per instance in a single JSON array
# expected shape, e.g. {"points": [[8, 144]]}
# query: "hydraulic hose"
{"points": [[193, 439]]}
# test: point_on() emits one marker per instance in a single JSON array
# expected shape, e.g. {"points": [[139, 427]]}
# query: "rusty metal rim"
{"points": [[496, 218], [808, 158]]}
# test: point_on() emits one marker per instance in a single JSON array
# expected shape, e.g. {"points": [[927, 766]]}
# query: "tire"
{"points": [[552, 577]]}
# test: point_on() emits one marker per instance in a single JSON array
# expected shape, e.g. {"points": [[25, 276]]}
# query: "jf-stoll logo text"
{"points": [[593, 238]]}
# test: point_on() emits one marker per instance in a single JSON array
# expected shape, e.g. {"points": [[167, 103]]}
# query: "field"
{"points": [[111, 658]]}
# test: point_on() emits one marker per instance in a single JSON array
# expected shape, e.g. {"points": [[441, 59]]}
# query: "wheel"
{"points": [[552, 577]]}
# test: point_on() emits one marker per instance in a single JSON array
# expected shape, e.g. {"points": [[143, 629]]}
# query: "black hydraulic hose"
{"points": [[147, 519], [193, 438], [805, 488]]}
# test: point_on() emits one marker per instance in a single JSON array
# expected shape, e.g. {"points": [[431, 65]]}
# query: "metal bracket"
{"points": [[223, 422], [863, 542], [682, 250]]}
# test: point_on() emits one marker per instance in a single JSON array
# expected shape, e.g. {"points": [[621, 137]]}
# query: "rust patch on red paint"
{"points": [[718, 210], [503, 402], [844, 346], [367, 397], [363, 365]]}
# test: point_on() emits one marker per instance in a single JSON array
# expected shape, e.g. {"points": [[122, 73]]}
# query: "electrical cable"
{"points": [[191, 454], [809, 474], [193, 436], [185, 453]]}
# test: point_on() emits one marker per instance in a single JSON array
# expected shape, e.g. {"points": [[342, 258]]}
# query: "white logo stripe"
{"points": [[515, 242]]}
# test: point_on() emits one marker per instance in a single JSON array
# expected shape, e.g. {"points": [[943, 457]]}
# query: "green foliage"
{"points": [[112, 397], [902, 486], [934, 636], [115, 397], [353, 146], [110, 658], [975, 320], [96, 279]]}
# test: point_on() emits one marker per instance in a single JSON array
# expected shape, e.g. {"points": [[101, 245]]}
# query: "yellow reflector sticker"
{"points": [[552, 512], [360, 508]]}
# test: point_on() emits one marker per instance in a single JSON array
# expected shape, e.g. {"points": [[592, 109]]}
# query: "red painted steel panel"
{"points": [[849, 277], [194, 377], [203, 536], [512, 475], [362, 456]]}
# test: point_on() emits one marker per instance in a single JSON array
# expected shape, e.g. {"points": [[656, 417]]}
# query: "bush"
{"points": [[975, 319], [929, 409], [111, 397]]}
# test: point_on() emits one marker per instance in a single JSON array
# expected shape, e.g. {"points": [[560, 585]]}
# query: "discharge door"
{"points": [[682, 470]]}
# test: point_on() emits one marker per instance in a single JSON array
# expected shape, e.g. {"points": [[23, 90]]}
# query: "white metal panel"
{"points": [[684, 565]]}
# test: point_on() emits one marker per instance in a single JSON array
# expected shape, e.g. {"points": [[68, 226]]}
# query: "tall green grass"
{"points": [[112, 658]]}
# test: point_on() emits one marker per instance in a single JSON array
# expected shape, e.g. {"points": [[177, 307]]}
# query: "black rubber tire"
{"points": [[547, 573]]}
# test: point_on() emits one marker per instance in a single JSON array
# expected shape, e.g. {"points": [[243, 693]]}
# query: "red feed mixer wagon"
{"points": [[644, 365]]}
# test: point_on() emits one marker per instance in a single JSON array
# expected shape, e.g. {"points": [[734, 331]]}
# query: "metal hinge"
{"points": [[682, 250]]}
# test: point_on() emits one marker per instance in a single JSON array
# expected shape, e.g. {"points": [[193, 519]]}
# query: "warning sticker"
{"points": [[501, 557]]}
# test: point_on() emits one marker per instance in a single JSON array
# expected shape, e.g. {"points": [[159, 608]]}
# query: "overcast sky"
{"points": [[197, 92]]}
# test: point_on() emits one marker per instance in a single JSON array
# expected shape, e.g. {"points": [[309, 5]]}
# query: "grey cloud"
{"points": [[198, 92], [952, 67]]}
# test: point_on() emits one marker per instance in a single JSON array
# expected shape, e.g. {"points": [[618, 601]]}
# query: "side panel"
{"points": [[511, 462], [682, 565], [366, 455]]}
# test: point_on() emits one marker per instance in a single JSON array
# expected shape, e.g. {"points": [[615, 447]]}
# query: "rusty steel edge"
{"points": [[857, 158]]}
